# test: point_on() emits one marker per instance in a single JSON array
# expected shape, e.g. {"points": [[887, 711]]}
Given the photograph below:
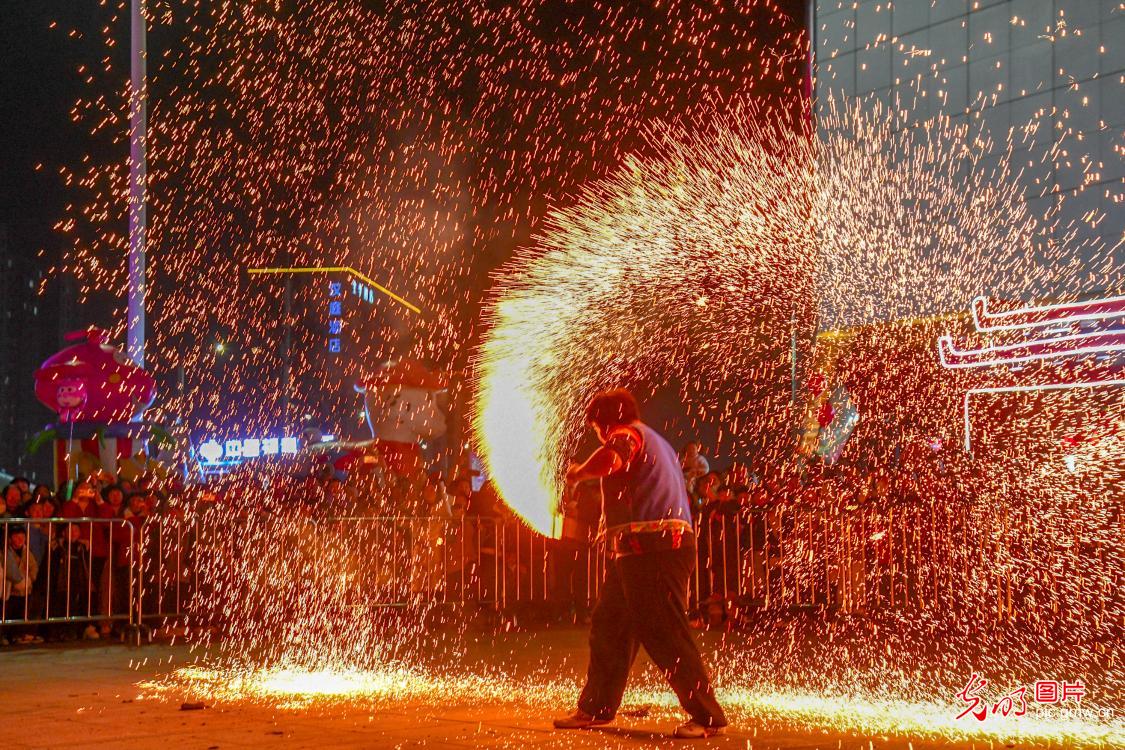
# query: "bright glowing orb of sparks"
{"points": [[687, 262], [510, 415]]}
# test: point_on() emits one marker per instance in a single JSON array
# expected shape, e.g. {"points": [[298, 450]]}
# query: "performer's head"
{"points": [[611, 409]]}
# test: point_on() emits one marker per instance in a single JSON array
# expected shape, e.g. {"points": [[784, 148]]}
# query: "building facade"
{"points": [[29, 333], [1002, 65]]}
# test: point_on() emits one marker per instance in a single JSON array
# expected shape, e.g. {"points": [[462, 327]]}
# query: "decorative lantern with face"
{"points": [[405, 403], [70, 397], [92, 381]]}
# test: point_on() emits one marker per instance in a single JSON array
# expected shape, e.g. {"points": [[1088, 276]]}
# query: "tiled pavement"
{"points": [[83, 697]]}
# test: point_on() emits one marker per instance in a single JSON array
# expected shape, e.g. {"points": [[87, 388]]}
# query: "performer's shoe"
{"points": [[694, 731], [579, 720]]}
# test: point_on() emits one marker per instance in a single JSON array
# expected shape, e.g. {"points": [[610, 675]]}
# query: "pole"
{"points": [[286, 370], [137, 181], [793, 359]]}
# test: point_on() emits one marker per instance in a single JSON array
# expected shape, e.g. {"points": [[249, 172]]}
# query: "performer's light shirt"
{"points": [[647, 493]]}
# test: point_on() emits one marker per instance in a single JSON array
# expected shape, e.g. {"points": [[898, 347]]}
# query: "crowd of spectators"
{"points": [[80, 567], [747, 521], [459, 525]]}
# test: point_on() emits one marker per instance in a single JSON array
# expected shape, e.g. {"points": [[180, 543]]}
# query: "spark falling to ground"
{"points": [[298, 689]]}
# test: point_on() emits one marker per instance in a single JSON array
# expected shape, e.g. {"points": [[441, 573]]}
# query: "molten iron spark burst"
{"points": [[695, 259], [399, 144]]}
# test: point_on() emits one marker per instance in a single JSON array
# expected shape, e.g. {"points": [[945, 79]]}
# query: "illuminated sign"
{"points": [[211, 451], [335, 313], [363, 291], [234, 451], [374, 285], [1028, 389]]}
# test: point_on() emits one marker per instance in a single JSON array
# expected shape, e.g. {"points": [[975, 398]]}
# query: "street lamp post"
{"points": [[135, 344]]}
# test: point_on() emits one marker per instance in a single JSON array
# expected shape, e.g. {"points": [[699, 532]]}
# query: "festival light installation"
{"points": [[1090, 345], [1036, 316]]}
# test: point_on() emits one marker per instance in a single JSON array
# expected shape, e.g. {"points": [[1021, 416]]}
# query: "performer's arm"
{"points": [[621, 447], [601, 463]]}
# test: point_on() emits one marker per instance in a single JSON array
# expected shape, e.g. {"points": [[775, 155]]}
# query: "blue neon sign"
{"points": [[237, 450]]}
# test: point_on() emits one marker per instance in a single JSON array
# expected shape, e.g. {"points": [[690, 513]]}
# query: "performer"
{"points": [[651, 547]]}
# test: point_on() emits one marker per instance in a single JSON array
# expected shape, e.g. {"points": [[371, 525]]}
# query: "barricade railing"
{"points": [[919, 556], [167, 570], [67, 570], [798, 557], [95, 570], [402, 560], [789, 557]]}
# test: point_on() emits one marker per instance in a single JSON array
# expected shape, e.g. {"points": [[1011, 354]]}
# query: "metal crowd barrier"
{"points": [[480, 560], [167, 570], [67, 570], [95, 571], [789, 557]]}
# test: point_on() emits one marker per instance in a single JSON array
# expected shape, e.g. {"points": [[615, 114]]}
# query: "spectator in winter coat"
{"points": [[70, 589], [19, 578], [93, 537], [706, 493], [39, 534], [42, 494], [21, 568], [25, 489]]}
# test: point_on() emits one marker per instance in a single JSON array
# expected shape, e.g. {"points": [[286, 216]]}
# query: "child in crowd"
{"points": [[71, 586]]}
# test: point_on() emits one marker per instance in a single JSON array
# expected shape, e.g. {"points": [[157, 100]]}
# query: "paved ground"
{"points": [[87, 697]]}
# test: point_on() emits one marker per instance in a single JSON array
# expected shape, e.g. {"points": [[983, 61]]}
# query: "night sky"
{"points": [[524, 113]]}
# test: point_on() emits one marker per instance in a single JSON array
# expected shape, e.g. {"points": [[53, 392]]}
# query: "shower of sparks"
{"points": [[691, 264], [688, 262], [416, 141], [422, 142]]}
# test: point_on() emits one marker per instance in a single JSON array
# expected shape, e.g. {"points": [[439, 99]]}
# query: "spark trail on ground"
{"points": [[748, 705]]}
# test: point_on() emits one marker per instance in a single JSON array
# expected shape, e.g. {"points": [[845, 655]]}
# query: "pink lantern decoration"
{"points": [[93, 382]]}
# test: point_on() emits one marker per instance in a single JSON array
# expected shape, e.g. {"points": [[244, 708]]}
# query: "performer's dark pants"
{"points": [[644, 603]]}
